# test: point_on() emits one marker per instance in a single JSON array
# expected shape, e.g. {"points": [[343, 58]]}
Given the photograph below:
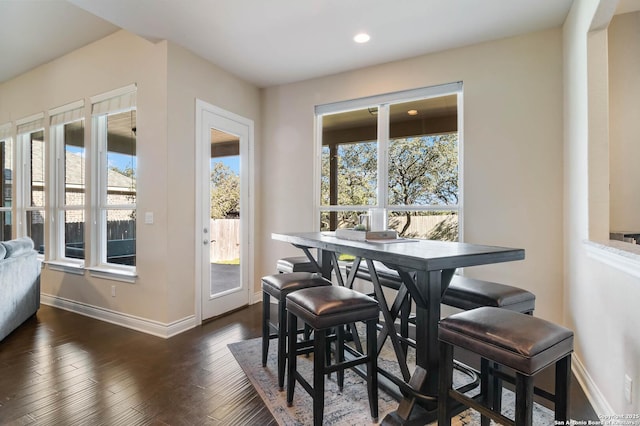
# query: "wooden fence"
{"points": [[427, 226], [225, 240]]}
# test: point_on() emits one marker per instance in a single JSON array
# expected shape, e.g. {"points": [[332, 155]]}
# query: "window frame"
{"points": [[383, 103], [52, 125], [25, 128], [114, 102], [58, 119], [6, 137]]}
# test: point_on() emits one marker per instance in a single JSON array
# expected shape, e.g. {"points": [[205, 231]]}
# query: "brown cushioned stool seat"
{"points": [[295, 264], [325, 309], [279, 286], [469, 293], [463, 293], [521, 342]]}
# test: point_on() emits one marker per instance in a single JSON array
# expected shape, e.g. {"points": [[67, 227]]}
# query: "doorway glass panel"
{"points": [[224, 195]]}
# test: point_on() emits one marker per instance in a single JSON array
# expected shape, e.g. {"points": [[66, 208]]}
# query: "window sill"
{"points": [[67, 267], [115, 274], [617, 254], [109, 273]]}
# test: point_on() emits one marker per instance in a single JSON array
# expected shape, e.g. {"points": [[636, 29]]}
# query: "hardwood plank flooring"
{"points": [[61, 368]]}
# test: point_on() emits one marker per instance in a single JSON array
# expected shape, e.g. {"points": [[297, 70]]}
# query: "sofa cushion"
{"points": [[3, 251], [17, 247]]}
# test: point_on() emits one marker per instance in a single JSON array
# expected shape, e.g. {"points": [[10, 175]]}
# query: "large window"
{"points": [[114, 119], [393, 155], [81, 180], [67, 134], [6, 182], [32, 155]]}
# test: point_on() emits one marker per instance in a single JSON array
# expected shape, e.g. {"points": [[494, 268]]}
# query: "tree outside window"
{"points": [[420, 171]]}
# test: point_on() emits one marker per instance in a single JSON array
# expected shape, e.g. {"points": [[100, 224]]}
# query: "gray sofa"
{"points": [[19, 283]]}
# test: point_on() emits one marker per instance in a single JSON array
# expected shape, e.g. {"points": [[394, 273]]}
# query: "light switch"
{"points": [[148, 218]]}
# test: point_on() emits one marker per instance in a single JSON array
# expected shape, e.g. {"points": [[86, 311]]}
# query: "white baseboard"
{"points": [[144, 325], [257, 297], [593, 394]]}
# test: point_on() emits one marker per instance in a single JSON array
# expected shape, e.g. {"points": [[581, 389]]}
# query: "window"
{"points": [[393, 155], [84, 187], [69, 197], [114, 119], [32, 153], [6, 182]]}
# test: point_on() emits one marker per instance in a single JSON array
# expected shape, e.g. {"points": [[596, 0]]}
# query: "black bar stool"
{"points": [[463, 292], [521, 342], [324, 309], [295, 264], [279, 286], [470, 293]]}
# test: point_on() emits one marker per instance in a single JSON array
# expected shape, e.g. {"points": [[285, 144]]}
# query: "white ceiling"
{"points": [[269, 42]]}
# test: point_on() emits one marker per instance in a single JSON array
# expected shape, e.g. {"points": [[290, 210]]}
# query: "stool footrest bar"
{"points": [[485, 411]]}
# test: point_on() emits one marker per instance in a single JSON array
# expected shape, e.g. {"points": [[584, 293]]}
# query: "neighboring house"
{"points": [[121, 187]]}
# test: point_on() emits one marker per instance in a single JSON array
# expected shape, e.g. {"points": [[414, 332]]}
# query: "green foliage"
{"points": [[357, 174], [225, 191], [423, 171], [235, 261]]}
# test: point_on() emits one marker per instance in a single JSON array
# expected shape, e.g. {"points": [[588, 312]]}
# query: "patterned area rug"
{"points": [[349, 407]]}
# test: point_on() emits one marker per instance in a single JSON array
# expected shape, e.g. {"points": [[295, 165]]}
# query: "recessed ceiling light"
{"points": [[412, 112], [361, 38]]}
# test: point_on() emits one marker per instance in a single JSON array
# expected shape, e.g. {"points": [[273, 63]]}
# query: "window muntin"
{"points": [[414, 174]]}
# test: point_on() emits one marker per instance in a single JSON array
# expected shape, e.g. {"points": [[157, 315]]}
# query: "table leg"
{"points": [[389, 321], [430, 346], [325, 263], [425, 377]]}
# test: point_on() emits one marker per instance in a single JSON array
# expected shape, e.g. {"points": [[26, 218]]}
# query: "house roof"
{"points": [[76, 168]]}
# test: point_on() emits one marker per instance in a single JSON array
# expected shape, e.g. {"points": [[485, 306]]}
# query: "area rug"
{"points": [[349, 407]]}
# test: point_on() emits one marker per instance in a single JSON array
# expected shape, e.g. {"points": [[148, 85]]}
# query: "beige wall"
{"points": [[512, 122], [624, 95], [191, 77], [113, 62], [169, 79], [600, 300]]}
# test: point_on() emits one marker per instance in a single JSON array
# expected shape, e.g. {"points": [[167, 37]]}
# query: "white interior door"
{"points": [[225, 216]]}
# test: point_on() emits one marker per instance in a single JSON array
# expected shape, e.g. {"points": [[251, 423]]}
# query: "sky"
{"points": [[233, 162], [123, 161]]}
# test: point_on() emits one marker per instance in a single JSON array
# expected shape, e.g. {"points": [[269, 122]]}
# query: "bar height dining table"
{"points": [[426, 268]]}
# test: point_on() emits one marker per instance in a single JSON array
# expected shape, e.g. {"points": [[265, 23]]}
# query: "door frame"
{"points": [[247, 217]]}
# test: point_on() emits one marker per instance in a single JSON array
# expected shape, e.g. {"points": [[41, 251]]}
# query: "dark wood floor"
{"points": [[61, 368]]}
